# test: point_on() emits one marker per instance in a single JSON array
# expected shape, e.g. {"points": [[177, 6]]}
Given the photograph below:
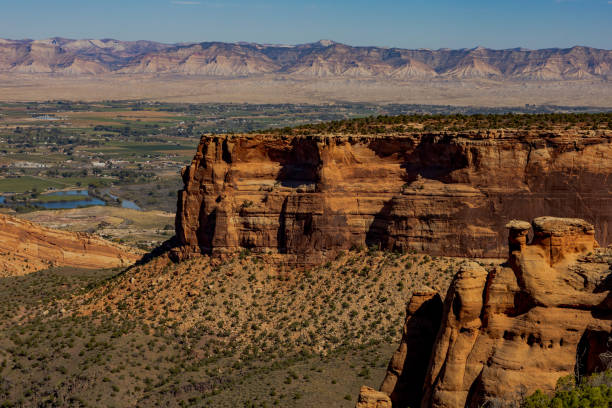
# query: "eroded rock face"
{"points": [[446, 194], [408, 366], [27, 247], [518, 327]]}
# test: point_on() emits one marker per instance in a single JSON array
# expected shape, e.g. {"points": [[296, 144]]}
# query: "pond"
{"points": [[124, 203], [75, 199], [130, 204], [71, 203], [69, 193]]}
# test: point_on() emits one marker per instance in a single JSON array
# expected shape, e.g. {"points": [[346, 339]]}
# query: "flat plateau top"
{"points": [[412, 134]]}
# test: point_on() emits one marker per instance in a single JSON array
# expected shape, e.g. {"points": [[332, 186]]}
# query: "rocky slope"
{"points": [[26, 247], [323, 59], [442, 193], [510, 330], [223, 334]]}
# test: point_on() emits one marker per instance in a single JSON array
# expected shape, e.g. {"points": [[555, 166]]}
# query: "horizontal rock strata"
{"points": [[27, 247], [322, 59], [444, 193]]}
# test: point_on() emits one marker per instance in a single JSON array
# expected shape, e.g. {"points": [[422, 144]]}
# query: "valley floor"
{"points": [[169, 88]]}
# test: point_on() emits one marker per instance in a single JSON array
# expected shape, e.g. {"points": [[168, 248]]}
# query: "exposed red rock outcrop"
{"points": [[444, 193], [544, 314], [408, 366], [27, 247]]}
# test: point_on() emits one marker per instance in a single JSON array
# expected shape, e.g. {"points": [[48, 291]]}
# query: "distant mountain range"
{"points": [[323, 59]]}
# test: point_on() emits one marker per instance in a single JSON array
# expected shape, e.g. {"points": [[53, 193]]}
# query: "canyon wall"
{"points": [[27, 247], [507, 331], [443, 193]]}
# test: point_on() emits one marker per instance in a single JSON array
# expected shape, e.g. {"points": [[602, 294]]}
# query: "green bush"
{"points": [[593, 392]]}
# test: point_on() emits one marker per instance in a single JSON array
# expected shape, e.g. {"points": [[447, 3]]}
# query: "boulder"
{"points": [[370, 398]]}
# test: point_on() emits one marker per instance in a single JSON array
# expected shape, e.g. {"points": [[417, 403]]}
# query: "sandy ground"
{"points": [[274, 90]]}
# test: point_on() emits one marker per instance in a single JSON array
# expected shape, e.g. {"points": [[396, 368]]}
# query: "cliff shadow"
{"points": [[206, 229], [434, 157], [378, 233], [300, 165], [593, 354], [281, 234], [420, 332]]}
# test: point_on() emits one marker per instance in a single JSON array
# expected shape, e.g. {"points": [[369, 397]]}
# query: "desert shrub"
{"points": [[593, 392]]}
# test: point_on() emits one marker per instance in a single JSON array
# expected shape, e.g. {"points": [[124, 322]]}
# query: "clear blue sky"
{"points": [[408, 24]]}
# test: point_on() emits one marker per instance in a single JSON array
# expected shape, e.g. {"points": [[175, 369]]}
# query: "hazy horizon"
{"points": [[413, 25], [289, 44]]}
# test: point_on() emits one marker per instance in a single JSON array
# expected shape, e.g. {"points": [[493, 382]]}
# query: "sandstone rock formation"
{"points": [[544, 314], [444, 193], [370, 398], [408, 366], [26, 247]]}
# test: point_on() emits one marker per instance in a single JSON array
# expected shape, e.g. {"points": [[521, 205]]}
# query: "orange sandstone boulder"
{"points": [[370, 398]]}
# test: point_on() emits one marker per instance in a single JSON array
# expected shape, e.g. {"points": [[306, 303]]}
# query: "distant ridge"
{"points": [[322, 59]]}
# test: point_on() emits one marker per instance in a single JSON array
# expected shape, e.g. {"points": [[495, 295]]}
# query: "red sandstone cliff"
{"points": [[27, 247], [509, 331], [444, 193]]}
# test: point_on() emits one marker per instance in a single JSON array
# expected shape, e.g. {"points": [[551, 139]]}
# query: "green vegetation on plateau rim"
{"points": [[454, 122]]}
